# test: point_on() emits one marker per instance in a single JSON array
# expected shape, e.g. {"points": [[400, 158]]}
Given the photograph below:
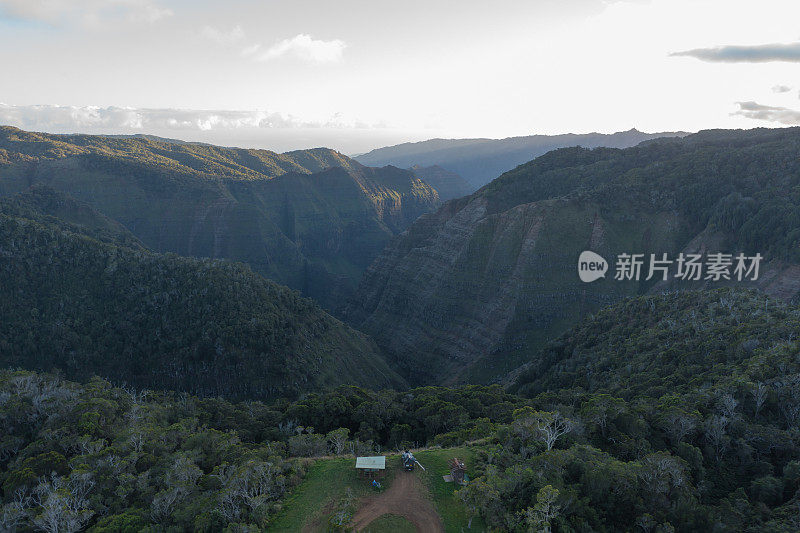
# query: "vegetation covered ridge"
{"points": [[311, 219], [71, 302]]}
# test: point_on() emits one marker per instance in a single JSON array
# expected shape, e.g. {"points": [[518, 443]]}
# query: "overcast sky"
{"points": [[356, 74]]}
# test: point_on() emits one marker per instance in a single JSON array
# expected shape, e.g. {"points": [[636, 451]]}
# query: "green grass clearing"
{"points": [[390, 523], [328, 483], [436, 462]]}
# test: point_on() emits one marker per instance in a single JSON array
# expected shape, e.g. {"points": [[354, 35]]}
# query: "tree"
{"points": [[252, 485], [715, 431], [551, 426], [482, 497], [338, 440], [601, 409], [63, 503], [789, 392], [646, 523], [767, 489], [759, 393], [542, 425], [13, 513], [661, 473], [539, 517], [308, 445], [399, 434], [180, 481], [679, 423], [727, 406]]}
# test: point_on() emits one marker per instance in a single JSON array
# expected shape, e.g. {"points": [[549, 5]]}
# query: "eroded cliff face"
{"points": [[448, 184], [776, 277], [470, 292], [466, 296]]}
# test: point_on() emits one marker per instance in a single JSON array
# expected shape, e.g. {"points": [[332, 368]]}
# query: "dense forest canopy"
{"points": [[49, 207], [683, 409], [119, 459], [167, 156], [606, 447], [86, 307]]}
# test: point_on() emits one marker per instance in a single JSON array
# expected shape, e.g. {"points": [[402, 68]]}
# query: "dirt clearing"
{"points": [[405, 497]]}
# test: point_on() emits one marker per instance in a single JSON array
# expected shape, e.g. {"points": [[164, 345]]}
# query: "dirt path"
{"points": [[404, 497]]}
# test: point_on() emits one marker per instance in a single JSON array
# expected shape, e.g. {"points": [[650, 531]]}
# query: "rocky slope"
{"points": [[481, 160], [471, 291], [311, 219], [448, 184]]}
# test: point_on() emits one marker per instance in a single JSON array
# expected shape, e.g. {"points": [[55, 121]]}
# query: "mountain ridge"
{"points": [[482, 159], [309, 219], [473, 289]]}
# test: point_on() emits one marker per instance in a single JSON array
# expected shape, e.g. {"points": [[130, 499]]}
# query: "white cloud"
{"points": [[233, 36], [301, 46], [251, 50], [92, 119], [756, 111], [781, 89], [150, 13], [86, 11]]}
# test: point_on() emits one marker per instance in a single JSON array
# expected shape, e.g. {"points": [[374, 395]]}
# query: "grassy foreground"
{"points": [[451, 510], [390, 523], [332, 487]]}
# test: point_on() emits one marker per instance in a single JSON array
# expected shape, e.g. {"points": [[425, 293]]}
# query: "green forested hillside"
{"points": [[672, 343], [310, 219], [48, 206], [120, 460], [745, 183], [167, 156], [674, 412], [93, 457], [666, 413], [86, 307], [473, 290]]}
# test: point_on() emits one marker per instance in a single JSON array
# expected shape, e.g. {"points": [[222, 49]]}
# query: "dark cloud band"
{"points": [[789, 52]]}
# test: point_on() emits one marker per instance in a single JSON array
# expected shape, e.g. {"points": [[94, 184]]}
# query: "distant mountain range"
{"points": [[479, 161], [471, 291], [309, 219]]}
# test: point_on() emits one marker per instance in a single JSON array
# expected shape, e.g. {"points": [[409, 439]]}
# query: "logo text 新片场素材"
{"points": [[690, 267]]}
